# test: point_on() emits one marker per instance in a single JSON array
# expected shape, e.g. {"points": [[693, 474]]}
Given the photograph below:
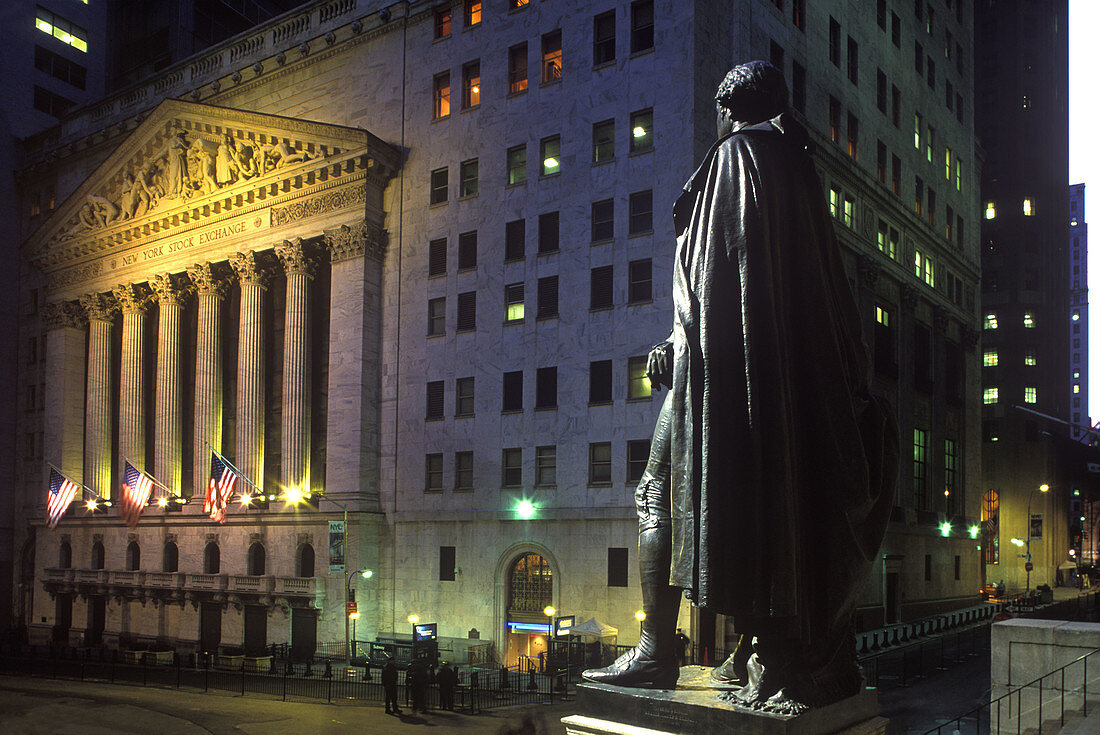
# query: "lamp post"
{"points": [[413, 620], [640, 617], [1027, 567], [353, 616]]}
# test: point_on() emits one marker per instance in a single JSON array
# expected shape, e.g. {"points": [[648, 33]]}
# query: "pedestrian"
{"points": [[682, 643], [389, 685], [447, 679]]}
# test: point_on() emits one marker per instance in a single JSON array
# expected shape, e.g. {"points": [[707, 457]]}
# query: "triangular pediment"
{"points": [[190, 165]]}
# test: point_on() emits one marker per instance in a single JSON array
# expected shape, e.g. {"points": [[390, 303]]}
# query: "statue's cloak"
{"points": [[783, 465]]}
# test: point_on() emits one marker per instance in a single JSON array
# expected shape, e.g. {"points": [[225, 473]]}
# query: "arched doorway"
{"points": [[530, 591]]}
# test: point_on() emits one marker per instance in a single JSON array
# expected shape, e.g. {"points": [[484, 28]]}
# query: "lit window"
{"points": [[990, 395], [443, 25], [641, 130], [517, 165], [471, 84], [639, 386], [1076, 388], [551, 155], [990, 210], [947, 162], [61, 29], [1029, 320], [1030, 395], [1076, 316], [1028, 209], [442, 95], [1030, 359], [849, 210], [924, 268], [990, 321], [990, 358], [916, 130], [958, 175], [834, 202], [468, 178], [928, 143], [473, 12], [882, 316], [513, 302], [517, 68], [551, 56]]}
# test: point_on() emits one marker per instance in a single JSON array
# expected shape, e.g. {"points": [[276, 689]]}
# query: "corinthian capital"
{"points": [[132, 297], [362, 238], [295, 257], [58, 314], [99, 306], [250, 269], [169, 288], [207, 279]]}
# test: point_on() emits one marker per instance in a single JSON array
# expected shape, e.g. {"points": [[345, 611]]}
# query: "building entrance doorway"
{"points": [[210, 627], [255, 630], [97, 619], [303, 633], [530, 592], [63, 618]]}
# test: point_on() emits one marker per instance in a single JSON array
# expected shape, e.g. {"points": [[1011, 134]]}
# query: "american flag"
{"points": [[136, 486], [219, 489], [62, 492]]}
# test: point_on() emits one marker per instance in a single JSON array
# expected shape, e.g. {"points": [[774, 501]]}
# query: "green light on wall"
{"points": [[974, 531], [945, 528], [526, 510]]}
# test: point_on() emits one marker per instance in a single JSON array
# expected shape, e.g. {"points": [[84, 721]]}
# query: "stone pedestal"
{"points": [[693, 707]]}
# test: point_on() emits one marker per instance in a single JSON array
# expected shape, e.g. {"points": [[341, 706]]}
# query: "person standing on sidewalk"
{"points": [[389, 685]]}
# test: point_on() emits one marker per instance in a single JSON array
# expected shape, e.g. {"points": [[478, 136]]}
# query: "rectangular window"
{"points": [[617, 569], [637, 381], [849, 211], [880, 90], [517, 68], [447, 562], [515, 236], [433, 473], [931, 206], [603, 141], [637, 456], [925, 268], [599, 381], [776, 55], [990, 358], [958, 175], [59, 67], [895, 29], [513, 302], [853, 136], [990, 395], [931, 65], [990, 321], [880, 161], [550, 150], [63, 30], [551, 56], [512, 391], [920, 469], [918, 194], [467, 186], [927, 567], [834, 119], [834, 202], [437, 315], [601, 294], [641, 213], [641, 281], [511, 468], [1031, 395], [958, 567], [464, 397], [918, 59], [895, 106], [434, 400], [471, 84], [443, 22], [548, 232], [437, 257], [441, 95], [546, 387], [473, 12], [895, 174], [439, 186], [603, 38], [546, 467], [950, 475], [467, 250], [929, 143], [885, 342], [467, 312], [853, 61], [603, 220], [464, 471], [641, 26], [547, 298], [599, 463], [834, 41], [798, 86], [918, 123], [641, 130]]}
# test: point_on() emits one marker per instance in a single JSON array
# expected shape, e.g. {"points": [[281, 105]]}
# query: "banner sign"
{"points": [[1036, 525], [335, 547]]}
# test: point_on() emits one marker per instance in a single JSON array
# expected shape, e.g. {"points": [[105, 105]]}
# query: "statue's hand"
{"points": [[658, 367]]}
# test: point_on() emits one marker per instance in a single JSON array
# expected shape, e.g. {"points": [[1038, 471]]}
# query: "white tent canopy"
{"points": [[595, 629]]}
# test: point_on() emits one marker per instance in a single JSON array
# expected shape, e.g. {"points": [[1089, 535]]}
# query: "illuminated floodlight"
{"points": [[368, 573], [526, 510], [293, 495], [1018, 542], [354, 616], [162, 501], [974, 531], [945, 528], [246, 500], [91, 504], [1044, 487]]}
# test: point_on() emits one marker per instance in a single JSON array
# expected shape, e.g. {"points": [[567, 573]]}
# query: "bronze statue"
{"points": [[772, 468]]}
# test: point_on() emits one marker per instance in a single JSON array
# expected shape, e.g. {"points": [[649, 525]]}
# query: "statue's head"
{"points": [[751, 93]]}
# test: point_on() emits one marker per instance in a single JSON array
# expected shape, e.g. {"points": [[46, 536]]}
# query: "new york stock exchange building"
{"points": [[399, 266]]}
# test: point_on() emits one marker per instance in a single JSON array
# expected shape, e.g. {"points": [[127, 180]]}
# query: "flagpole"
{"points": [[231, 466], [61, 472]]}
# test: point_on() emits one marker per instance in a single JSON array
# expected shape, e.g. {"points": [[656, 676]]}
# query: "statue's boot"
{"points": [[653, 662], [734, 671]]}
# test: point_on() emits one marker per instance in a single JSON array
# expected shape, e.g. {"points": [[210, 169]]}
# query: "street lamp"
{"points": [[1027, 567], [413, 620], [640, 617], [353, 616]]}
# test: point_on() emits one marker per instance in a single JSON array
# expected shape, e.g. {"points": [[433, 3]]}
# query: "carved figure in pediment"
{"points": [[98, 212], [277, 154], [227, 168], [201, 166], [137, 194], [247, 158], [174, 180]]}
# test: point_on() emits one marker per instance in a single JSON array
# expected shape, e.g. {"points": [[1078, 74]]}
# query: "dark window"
{"points": [[446, 563], [443, 22], [546, 387], [171, 561], [515, 233], [641, 25], [603, 141], [467, 185], [464, 471], [547, 297], [885, 341], [433, 473], [922, 356], [513, 391], [617, 571], [895, 106], [895, 174], [599, 381], [517, 164], [65, 556], [439, 186], [434, 403], [548, 232], [471, 84], [50, 103], [776, 55], [895, 29], [834, 41], [880, 15], [467, 250], [441, 95], [798, 86], [517, 68], [60, 67], [853, 61], [641, 281], [257, 560], [513, 302], [853, 136], [437, 315], [603, 220], [603, 38], [464, 397], [927, 567], [306, 561], [467, 311], [437, 257], [601, 292], [641, 130], [551, 56], [546, 467], [511, 468], [958, 567], [637, 455], [798, 14], [211, 559], [880, 159], [918, 59], [599, 463], [641, 212], [880, 90], [834, 119], [931, 73]]}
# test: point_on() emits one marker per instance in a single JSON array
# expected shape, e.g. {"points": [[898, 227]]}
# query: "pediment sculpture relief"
{"points": [[188, 166]]}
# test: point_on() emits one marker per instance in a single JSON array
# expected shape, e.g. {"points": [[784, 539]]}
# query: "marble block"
{"points": [[693, 707]]}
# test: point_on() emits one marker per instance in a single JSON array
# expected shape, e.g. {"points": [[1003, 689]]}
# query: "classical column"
{"points": [[100, 309], [208, 370], [295, 414], [133, 299], [250, 367], [65, 377], [354, 371], [168, 426]]}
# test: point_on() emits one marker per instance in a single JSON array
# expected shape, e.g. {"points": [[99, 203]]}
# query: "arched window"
{"points": [[212, 559], [256, 560], [133, 556], [171, 557], [991, 511], [530, 585], [305, 560], [65, 556], [97, 555]]}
